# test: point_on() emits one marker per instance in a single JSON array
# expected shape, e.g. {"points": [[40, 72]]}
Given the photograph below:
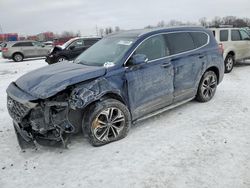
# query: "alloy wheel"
{"points": [[209, 86], [108, 125], [230, 63], [18, 57]]}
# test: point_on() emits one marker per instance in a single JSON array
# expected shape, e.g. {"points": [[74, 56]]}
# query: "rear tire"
{"points": [[106, 121], [229, 63], [17, 57], [207, 87]]}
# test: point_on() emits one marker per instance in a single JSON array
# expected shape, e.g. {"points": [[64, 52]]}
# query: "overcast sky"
{"points": [[35, 16]]}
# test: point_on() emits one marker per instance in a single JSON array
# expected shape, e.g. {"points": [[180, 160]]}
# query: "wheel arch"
{"points": [[18, 52], [231, 52], [215, 70]]}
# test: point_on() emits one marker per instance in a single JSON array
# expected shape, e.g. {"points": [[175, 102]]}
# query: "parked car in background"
{"points": [[48, 43], [236, 45], [123, 78], [61, 41], [70, 50], [20, 50], [1, 45]]}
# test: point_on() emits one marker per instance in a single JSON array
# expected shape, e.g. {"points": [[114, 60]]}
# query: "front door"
{"points": [[150, 85], [75, 49]]}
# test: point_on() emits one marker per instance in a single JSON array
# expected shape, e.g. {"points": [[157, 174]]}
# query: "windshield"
{"points": [[106, 52]]}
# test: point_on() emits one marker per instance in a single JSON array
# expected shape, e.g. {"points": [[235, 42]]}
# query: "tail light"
{"points": [[221, 48], [4, 49]]}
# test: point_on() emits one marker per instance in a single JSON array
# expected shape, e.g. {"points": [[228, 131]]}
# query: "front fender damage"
{"points": [[87, 93]]}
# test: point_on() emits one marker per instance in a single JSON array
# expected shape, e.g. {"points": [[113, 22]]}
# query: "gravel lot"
{"points": [[195, 145]]}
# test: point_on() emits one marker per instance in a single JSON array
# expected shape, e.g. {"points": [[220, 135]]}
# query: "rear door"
{"points": [[150, 86], [238, 44], [187, 62], [28, 49], [245, 42]]}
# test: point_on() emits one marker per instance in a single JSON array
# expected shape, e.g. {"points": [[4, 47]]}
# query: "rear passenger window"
{"points": [[235, 35], [153, 48], [179, 42], [21, 44], [244, 35], [223, 35], [200, 39], [17, 45]]}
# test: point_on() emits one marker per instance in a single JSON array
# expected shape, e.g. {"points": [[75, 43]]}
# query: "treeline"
{"points": [[205, 22]]}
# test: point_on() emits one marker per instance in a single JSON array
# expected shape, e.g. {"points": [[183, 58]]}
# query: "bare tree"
{"points": [[161, 24], [101, 32], [203, 21], [117, 29]]}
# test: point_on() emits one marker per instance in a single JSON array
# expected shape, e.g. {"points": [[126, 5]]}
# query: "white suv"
{"points": [[236, 45]]}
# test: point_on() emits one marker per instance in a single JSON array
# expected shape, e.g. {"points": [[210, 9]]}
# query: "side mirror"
{"points": [[72, 47], [138, 59]]}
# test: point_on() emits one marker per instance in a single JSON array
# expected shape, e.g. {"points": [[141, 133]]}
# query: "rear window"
{"points": [[21, 44], [179, 42], [223, 35], [200, 39], [235, 35]]}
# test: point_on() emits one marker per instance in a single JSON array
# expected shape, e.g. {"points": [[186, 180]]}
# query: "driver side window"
{"points": [[77, 44], [154, 48]]}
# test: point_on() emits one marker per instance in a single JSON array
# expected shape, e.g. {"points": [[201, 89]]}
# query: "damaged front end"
{"points": [[46, 121], [51, 121]]}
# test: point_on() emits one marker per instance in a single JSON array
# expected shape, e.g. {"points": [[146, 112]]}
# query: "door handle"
{"points": [[201, 56], [166, 65]]}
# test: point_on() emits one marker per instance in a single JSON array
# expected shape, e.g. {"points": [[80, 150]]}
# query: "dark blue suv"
{"points": [[123, 78]]}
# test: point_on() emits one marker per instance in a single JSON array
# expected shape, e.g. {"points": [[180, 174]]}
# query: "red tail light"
{"points": [[4, 49], [221, 48]]}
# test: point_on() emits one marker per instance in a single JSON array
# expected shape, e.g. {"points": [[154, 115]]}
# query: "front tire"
{"points": [[229, 63], [107, 121], [61, 59], [207, 87]]}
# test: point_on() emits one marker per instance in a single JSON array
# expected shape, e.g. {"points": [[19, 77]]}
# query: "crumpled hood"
{"points": [[49, 80]]}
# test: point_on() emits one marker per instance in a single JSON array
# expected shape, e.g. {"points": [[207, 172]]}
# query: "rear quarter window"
{"points": [[200, 39], [179, 42], [223, 35]]}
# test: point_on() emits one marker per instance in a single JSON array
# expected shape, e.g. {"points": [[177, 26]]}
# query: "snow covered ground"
{"points": [[195, 145]]}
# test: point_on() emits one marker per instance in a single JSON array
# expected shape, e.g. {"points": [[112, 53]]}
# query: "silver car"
{"points": [[20, 50]]}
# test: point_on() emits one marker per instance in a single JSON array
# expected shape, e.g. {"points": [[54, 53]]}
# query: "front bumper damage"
{"points": [[43, 122], [51, 121]]}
